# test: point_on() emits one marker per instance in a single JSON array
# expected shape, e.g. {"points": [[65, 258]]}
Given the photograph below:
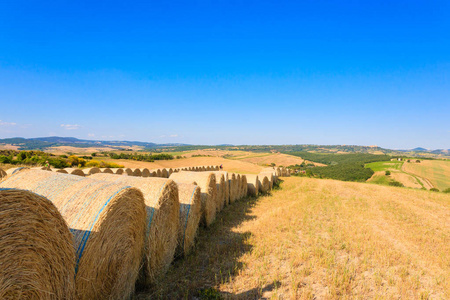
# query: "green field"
{"points": [[436, 171], [385, 166]]}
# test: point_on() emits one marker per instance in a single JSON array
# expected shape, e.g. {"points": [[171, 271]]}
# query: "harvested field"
{"points": [[437, 172], [324, 239], [229, 165]]}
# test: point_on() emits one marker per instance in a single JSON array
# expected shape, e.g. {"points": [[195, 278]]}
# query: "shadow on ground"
{"points": [[213, 261]]}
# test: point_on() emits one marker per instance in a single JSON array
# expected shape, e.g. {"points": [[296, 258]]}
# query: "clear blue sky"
{"points": [[239, 72]]}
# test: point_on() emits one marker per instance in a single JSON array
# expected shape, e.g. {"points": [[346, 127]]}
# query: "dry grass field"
{"points": [[230, 165], [436, 171], [321, 239]]}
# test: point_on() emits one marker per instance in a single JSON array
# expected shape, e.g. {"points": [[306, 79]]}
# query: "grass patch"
{"points": [[385, 165]]}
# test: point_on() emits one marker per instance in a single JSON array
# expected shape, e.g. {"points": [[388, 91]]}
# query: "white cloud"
{"points": [[91, 135], [173, 135], [70, 126], [7, 124]]}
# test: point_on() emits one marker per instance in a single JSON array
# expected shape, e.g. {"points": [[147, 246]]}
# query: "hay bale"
{"points": [[127, 171], [137, 173], [278, 170], [269, 177], [107, 221], [59, 171], [238, 187], [264, 185], [226, 186], [190, 214], [146, 172], [207, 183], [37, 257], [106, 170], [169, 172], [41, 168], [244, 186], [118, 171], [2, 173], [252, 185], [153, 173], [75, 171], [158, 173], [163, 211], [90, 171], [220, 198], [12, 171]]}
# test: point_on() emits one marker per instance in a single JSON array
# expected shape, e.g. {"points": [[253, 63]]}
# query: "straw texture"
{"points": [[252, 184], [118, 171], [207, 183], [107, 221], [244, 186], [106, 170], [220, 198], [164, 173], [233, 187], [264, 185], [190, 214], [37, 257], [226, 186], [90, 171], [269, 176], [74, 171], [238, 187], [59, 171], [146, 173], [163, 210], [2, 173]]}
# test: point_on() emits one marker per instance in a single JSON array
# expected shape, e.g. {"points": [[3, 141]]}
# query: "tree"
{"points": [[272, 164], [434, 190], [388, 173]]}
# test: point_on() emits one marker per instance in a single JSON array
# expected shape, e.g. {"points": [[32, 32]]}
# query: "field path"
{"points": [[321, 239]]}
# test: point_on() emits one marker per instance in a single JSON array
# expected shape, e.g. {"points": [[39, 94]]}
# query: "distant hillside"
{"points": [[55, 141]]}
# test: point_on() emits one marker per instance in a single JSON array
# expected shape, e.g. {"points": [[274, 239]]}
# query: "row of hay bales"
{"points": [[107, 234], [138, 172]]}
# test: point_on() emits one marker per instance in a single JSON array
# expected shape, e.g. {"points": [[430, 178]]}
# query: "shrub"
{"points": [[396, 183], [434, 190], [5, 159], [447, 190], [93, 164], [388, 173]]}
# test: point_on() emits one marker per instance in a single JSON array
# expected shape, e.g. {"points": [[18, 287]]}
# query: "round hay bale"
{"points": [[207, 183], [269, 177], [169, 172], [118, 171], [158, 173], [75, 171], [233, 187], [238, 187], [137, 173], [278, 170], [220, 198], [244, 186], [41, 168], [12, 171], [252, 184], [153, 173], [37, 257], [226, 186], [106, 170], [190, 214], [2, 173], [107, 221], [164, 173], [127, 171], [146, 172], [208, 168], [163, 212], [59, 171], [90, 171], [264, 185]]}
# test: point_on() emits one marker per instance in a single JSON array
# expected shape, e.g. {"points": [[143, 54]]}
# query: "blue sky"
{"points": [[239, 72]]}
